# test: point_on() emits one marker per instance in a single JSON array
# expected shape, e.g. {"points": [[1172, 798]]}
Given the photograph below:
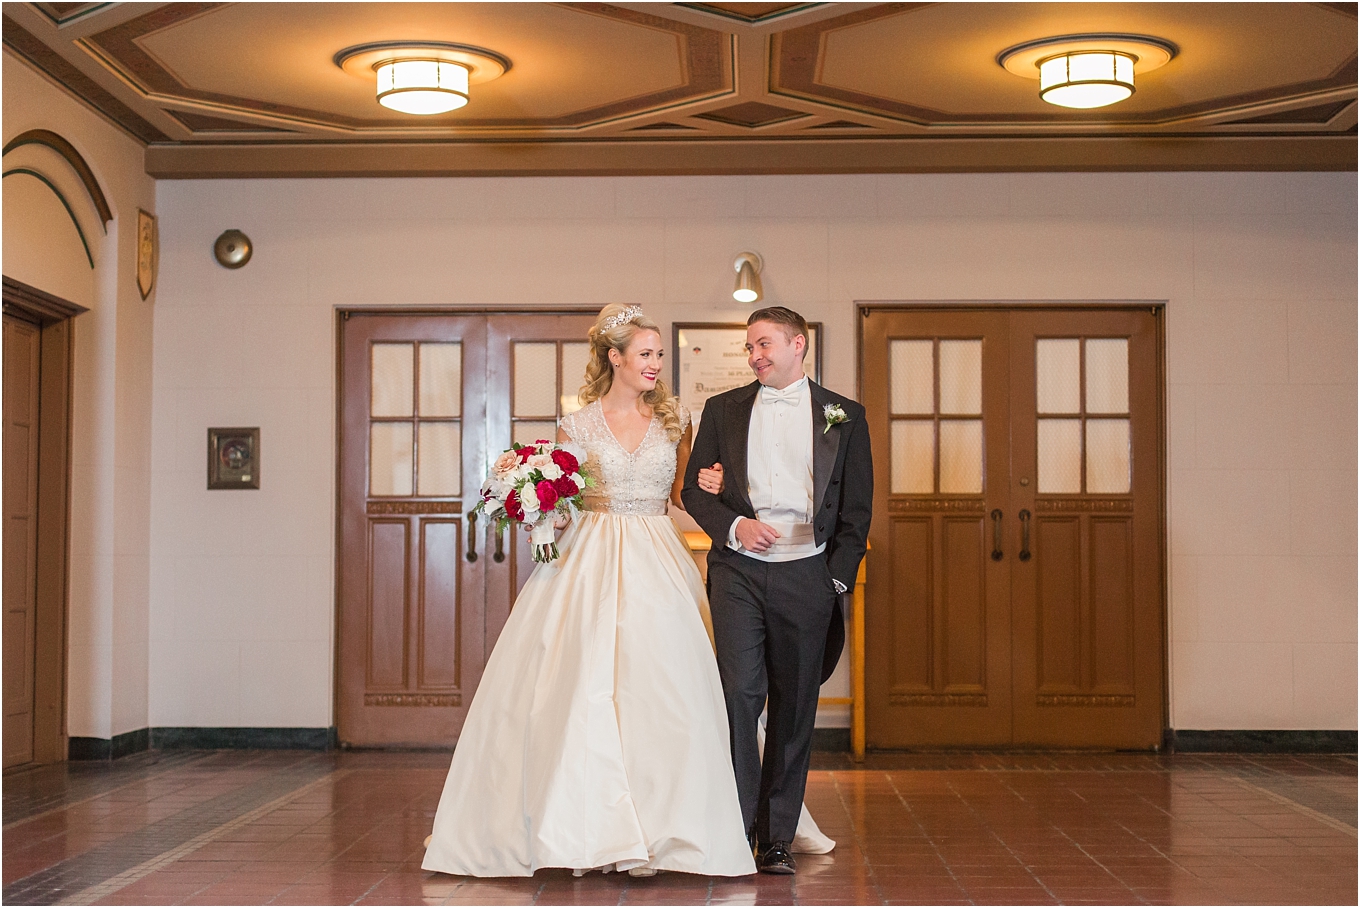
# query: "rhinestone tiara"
{"points": [[622, 318]]}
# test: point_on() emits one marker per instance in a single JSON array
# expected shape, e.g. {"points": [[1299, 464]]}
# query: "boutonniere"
{"points": [[834, 416]]}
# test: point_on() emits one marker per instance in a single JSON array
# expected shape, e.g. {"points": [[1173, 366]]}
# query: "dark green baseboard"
{"points": [[108, 748], [824, 740], [200, 738], [1241, 741]]}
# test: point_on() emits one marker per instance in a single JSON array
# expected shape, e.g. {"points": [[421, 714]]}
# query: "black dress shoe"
{"points": [[775, 858]]}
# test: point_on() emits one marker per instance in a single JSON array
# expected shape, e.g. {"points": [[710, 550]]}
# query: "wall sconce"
{"points": [[422, 77], [1086, 71], [747, 266]]}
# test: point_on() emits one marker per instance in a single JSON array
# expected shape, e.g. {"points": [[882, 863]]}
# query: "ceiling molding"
{"points": [[654, 157], [61, 71], [65, 13], [701, 87], [752, 13], [706, 62], [799, 52]]}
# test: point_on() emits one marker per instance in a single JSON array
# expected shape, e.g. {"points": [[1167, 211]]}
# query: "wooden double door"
{"points": [[1015, 584], [427, 401]]}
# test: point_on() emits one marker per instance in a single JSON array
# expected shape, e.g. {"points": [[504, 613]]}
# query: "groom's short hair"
{"points": [[792, 323]]}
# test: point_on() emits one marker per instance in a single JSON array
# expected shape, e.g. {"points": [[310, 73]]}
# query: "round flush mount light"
{"points": [[1087, 71], [422, 77]]}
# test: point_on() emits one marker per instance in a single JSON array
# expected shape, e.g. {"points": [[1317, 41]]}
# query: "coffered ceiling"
{"points": [[251, 89]]}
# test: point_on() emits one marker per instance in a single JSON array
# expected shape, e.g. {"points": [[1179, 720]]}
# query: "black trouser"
{"points": [[769, 625]]}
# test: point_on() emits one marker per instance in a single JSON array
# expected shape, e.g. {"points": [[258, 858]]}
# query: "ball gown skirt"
{"points": [[598, 737]]}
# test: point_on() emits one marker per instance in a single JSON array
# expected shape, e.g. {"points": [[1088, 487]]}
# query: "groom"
{"points": [[789, 531]]}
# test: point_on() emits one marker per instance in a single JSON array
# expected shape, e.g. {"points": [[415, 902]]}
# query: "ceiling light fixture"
{"points": [[422, 86], [422, 77], [747, 266], [1087, 71]]}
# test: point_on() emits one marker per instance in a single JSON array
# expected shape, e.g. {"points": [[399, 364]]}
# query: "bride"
{"points": [[598, 736]]}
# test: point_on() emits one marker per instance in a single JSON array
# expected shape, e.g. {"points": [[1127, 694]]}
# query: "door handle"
{"points": [[499, 556], [996, 535], [472, 538], [1024, 535]]}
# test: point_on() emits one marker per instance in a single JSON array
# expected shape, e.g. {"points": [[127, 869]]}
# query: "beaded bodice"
{"points": [[625, 483]]}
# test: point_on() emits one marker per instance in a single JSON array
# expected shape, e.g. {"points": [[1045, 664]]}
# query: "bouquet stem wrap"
{"points": [[543, 538]]}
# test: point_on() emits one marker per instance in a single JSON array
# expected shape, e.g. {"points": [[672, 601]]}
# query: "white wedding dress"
{"points": [[598, 737]]}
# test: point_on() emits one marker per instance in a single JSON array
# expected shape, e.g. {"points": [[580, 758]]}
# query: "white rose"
{"points": [[551, 471]]}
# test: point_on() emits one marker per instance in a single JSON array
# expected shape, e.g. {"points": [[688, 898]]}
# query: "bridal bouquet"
{"points": [[531, 485]]}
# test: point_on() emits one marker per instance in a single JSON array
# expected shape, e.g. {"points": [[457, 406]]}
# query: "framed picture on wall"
{"points": [[234, 458], [710, 358]]}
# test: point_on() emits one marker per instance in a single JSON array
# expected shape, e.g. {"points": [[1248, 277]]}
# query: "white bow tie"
{"points": [[790, 395]]}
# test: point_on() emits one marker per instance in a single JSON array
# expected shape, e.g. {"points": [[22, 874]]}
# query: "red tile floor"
{"points": [[296, 828]]}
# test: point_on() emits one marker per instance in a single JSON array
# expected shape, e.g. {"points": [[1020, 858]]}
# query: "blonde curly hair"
{"points": [[615, 329]]}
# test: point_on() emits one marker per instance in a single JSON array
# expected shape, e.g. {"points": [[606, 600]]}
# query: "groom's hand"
{"points": [[755, 536]]}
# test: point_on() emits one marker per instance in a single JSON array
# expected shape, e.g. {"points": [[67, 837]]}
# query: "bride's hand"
{"points": [[560, 521], [711, 479]]}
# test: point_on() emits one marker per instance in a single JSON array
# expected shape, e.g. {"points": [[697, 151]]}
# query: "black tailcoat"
{"points": [[842, 480]]}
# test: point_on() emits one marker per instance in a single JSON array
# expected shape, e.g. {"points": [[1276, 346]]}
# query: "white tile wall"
{"points": [[1258, 271]]}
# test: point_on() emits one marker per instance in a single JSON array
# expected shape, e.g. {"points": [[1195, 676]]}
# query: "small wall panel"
{"points": [[387, 600], [913, 626], [1057, 543], [1112, 604], [438, 607], [964, 604]]}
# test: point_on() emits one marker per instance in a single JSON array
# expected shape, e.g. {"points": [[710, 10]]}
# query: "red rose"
{"points": [[525, 453], [564, 460], [565, 487], [512, 506], [547, 495], [542, 441]]}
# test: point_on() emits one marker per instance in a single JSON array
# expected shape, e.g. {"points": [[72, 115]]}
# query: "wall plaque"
{"points": [[234, 458], [710, 358]]}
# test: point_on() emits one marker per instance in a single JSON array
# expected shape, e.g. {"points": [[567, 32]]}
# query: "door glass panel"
{"points": [[913, 456], [1107, 375], [535, 379], [1060, 456], [441, 460], [1107, 456], [960, 454], [389, 459], [913, 376], [574, 359], [527, 432], [1057, 365], [960, 378], [392, 379], [441, 379]]}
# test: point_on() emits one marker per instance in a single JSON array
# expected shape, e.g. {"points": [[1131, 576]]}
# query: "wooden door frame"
{"points": [[53, 314], [342, 313], [1158, 308]]}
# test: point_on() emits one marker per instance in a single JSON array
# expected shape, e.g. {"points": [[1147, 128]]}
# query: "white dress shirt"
{"points": [[779, 472]]}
